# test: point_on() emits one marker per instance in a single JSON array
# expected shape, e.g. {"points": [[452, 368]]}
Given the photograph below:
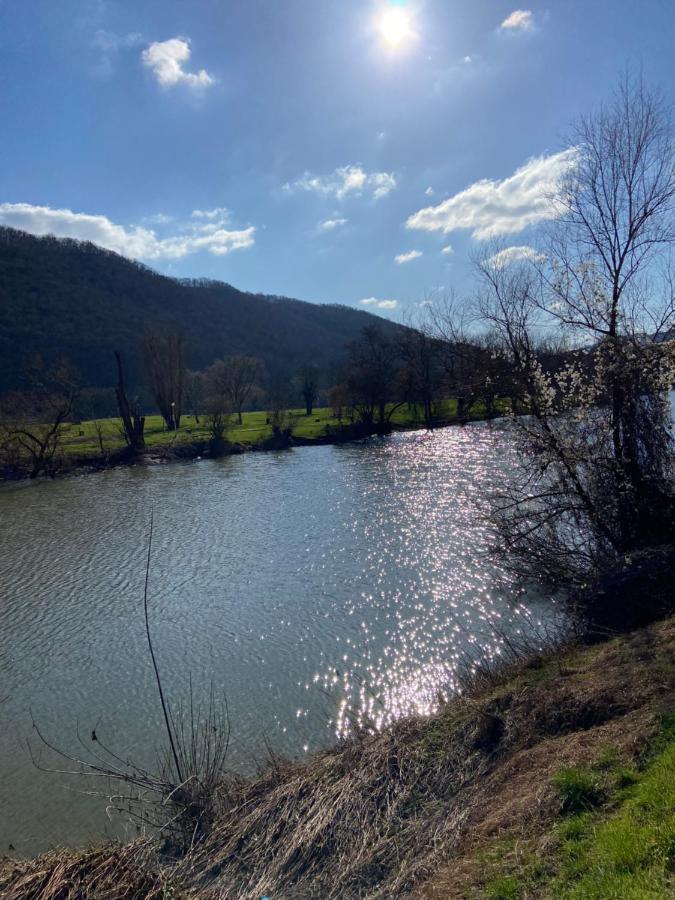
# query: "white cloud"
{"points": [[379, 304], [519, 19], [429, 192], [135, 242], [448, 250], [219, 212], [331, 224], [468, 60], [514, 254], [346, 180], [166, 60], [407, 257], [383, 183], [489, 208]]}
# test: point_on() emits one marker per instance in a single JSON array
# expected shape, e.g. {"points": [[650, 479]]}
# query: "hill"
{"points": [[66, 297]]}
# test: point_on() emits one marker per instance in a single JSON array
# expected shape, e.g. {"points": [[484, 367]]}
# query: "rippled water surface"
{"points": [[312, 586]]}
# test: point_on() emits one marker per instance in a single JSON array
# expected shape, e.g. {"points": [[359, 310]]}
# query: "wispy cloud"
{"points": [[489, 208], [109, 45], [158, 219], [429, 192], [379, 304], [166, 60], [218, 212], [382, 183], [509, 255], [448, 250], [332, 224], [345, 180], [407, 257], [135, 242], [518, 20]]}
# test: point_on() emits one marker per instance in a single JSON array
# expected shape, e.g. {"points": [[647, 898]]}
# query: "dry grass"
{"points": [[405, 812], [131, 872]]}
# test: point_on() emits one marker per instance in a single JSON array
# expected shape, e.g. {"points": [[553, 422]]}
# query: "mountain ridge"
{"points": [[63, 297]]}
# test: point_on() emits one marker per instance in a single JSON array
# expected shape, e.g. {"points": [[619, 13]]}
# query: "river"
{"points": [[309, 586]]}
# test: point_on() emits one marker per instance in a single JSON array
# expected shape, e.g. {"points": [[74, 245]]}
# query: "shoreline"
{"points": [[160, 454]]}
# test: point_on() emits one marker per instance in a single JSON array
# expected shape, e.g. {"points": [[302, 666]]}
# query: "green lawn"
{"points": [[81, 439]]}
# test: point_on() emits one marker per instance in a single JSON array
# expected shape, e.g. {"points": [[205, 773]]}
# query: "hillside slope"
{"points": [[60, 296]]}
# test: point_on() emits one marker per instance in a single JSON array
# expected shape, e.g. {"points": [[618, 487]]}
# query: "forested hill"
{"points": [[65, 297]]}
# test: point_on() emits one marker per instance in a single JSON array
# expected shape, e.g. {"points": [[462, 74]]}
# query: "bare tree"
{"points": [[420, 351], [194, 393], [462, 356], [279, 417], [338, 397], [597, 484], [217, 420], [32, 420], [98, 428], [133, 421], [309, 387], [374, 379], [164, 362], [236, 379]]}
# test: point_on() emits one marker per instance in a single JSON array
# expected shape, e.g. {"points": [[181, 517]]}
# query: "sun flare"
{"points": [[394, 27]]}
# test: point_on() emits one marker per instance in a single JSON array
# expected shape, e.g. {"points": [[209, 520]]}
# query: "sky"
{"points": [[351, 152]]}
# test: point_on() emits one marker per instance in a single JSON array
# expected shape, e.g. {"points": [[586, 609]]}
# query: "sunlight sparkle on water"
{"points": [[449, 601]]}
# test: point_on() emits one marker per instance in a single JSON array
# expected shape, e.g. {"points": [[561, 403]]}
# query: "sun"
{"points": [[394, 27]]}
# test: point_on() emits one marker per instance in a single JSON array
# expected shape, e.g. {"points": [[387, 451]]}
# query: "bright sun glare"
{"points": [[394, 26]]}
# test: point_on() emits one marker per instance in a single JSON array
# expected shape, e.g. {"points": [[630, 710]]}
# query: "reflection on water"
{"points": [[314, 587]]}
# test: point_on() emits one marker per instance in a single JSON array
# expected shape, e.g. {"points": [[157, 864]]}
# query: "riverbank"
{"points": [[98, 444], [555, 779]]}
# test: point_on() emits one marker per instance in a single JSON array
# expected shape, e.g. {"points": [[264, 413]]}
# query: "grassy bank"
{"points": [[555, 780], [81, 440]]}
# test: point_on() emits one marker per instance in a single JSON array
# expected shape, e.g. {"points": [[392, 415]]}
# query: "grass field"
{"points": [[81, 439]]}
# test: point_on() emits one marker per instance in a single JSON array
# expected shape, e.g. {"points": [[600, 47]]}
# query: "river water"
{"points": [[312, 587]]}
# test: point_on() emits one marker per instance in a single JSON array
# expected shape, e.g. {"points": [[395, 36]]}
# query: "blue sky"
{"points": [[331, 151]]}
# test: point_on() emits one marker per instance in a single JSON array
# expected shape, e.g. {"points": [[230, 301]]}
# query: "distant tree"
{"points": [[374, 378], [133, 422], [471, 368], [164, 363], [95, 403], [420, 352], [338, 397], [98, 428], [32, 420], [194, 393], [217, 419], [309, 387], [236, 379], [279, 417]]}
